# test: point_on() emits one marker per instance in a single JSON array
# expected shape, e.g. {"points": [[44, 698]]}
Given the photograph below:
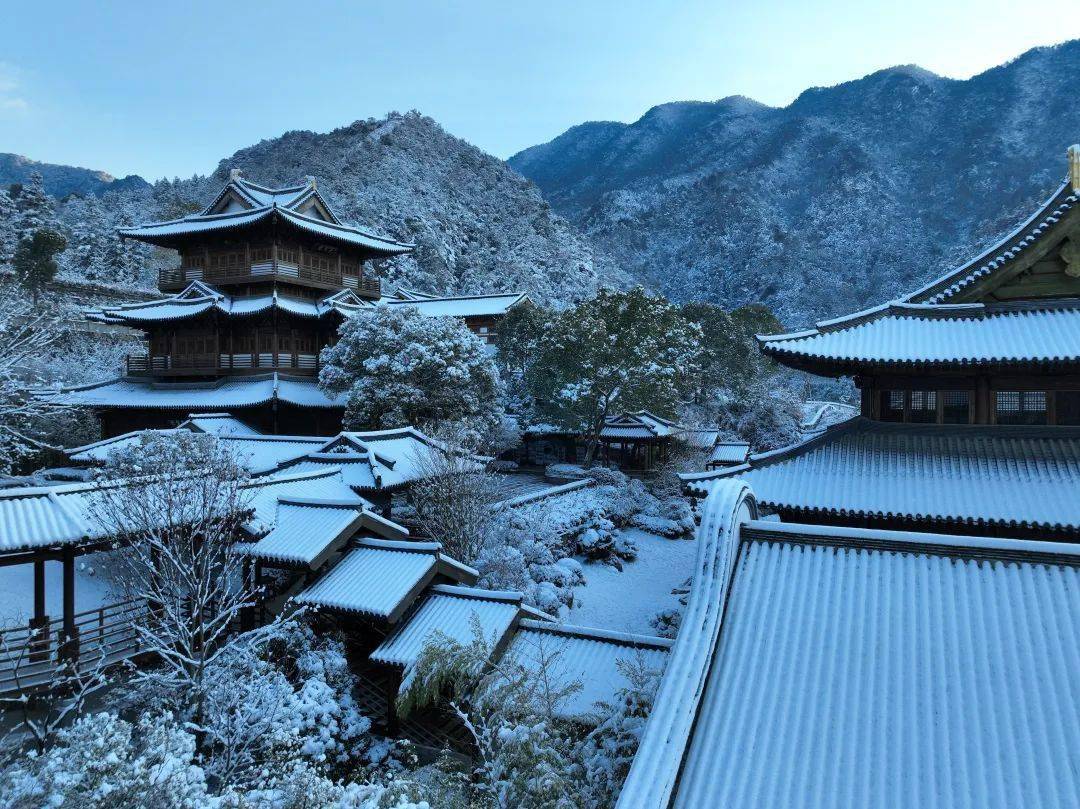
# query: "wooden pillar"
{"points": [[983, 405], [39, 624], [69, 648], [393, 683]]}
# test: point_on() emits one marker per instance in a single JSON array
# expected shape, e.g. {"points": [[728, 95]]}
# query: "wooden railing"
{"points": [[191, 364], [178, 278], [30, 656]]}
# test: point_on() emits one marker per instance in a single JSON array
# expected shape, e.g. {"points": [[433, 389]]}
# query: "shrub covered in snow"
{"points": [[105, 761]]}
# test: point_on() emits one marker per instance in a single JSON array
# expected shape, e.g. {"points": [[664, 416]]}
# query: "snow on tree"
{"points": [[399, 367], [103, 760], [618, 351], [35, 208], [177, 504], [525, 752], [29, 335], [454, 497], [35, 259], [9, 234], [740, 390]]}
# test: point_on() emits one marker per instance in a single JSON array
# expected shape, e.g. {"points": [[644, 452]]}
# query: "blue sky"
{"points": [[169, 88]]}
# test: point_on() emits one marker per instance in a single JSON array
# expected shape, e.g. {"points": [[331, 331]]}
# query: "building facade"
{"points": [[265, 277], [970, 397]]}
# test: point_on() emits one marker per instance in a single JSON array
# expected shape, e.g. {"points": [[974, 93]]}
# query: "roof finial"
{"points": [[234, 174], [1074, 166], [311, 181]]}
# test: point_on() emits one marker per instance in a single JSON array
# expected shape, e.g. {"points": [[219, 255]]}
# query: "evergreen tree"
{"points": [[35, 259], [9, 238], [618, 351]]}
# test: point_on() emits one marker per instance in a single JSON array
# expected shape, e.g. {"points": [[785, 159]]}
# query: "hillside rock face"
{"points": [[849, 196], [478, 225]]}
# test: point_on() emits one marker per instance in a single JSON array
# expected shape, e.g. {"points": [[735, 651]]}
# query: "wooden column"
{"points": [[39, 624], [983, 405], [69, 647], [393, 683]]}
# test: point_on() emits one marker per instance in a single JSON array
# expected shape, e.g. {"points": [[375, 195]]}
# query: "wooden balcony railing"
{"points": [[196, 364], [176, 279], [29, 656]]}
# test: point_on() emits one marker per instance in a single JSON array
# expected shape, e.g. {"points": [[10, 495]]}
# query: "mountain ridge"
{"points": [[847, 196]]}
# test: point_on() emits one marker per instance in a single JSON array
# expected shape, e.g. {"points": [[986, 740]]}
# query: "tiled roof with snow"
{"points": [[452, 611], [640, 425], [266, 204], [198, 299], [845, 663], [729, 452], [218, 424], [826, 667], [382, 577], [224, 394], [462, 306], [589, 657], [46, 516], [936, 474], [305, 530], [377, 459], [943, 335]]}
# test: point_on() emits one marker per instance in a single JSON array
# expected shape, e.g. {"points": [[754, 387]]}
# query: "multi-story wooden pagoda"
{"points": [[265, 277], [970, 397]]}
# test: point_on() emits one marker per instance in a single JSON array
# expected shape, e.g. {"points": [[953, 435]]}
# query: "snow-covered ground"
{"points": [[17, 589], [626, 600]]}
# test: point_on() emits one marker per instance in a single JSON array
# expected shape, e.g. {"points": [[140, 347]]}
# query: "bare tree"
{"points": [[44, 696], [176, 505], [455, 496]]}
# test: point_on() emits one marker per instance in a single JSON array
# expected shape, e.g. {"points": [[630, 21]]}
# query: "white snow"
{"points": [[626, 600], [17, 589]]}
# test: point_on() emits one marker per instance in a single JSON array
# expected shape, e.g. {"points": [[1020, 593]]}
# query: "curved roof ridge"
{"points": [[1002, 251]]}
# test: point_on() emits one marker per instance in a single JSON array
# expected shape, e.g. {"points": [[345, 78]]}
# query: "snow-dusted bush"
{"points": [[102, 760], [666, 623], [608, 751]]}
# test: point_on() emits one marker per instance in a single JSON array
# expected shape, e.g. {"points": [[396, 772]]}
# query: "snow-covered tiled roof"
{"points": [[590, 657], [451, 610], [198, 299], [224, 394], [382, 577], [218, 424], [376, 459], [854, 667], [462, 306], [266, 204], [935, 474], [640, 425], [729, 452], [45, 516], [305, 530], [950, 335]]}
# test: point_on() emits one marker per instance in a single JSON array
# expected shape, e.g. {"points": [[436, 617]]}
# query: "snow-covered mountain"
{"points": [[478, 225], [60, 180], [846, 197]]}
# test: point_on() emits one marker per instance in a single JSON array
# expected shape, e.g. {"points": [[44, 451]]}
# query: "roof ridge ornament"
{"points": [[1073, 153], [235, 174], [311, 181]]}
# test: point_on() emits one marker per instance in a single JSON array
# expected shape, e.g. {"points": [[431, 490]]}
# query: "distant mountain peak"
{"points": [[60, 180], [847, 196]]}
